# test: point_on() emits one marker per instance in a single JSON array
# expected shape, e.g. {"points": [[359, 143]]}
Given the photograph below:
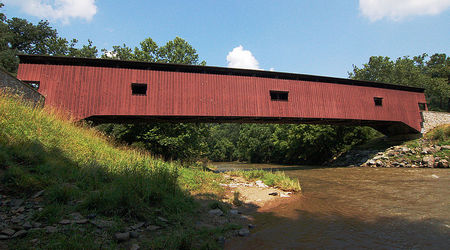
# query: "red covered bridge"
{"points": [[127, 91]]}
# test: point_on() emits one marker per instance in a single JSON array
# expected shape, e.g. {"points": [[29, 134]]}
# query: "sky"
{"points": [[318, 37]]}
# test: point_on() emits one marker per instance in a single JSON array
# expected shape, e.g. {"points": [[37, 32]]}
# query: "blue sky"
{"points": [[311, 37]]}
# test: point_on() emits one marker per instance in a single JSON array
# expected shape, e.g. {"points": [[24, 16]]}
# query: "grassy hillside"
{"points": [[79, 170]]}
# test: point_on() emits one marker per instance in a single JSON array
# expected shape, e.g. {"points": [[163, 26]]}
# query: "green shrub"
{"points": [[440, 134]]}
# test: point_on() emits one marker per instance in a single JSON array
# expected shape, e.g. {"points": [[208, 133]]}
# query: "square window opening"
{"points": [[422, 106], [378, 101], [34, 84], [139, 89], [279, 95]]}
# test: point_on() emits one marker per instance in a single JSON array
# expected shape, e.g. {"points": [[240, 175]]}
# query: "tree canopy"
{"points": [[429, 72], [176, 51], [19, 36]]}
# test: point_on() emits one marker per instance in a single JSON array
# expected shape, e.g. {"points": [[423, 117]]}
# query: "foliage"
{"points": [[440, 135], [429, 72], [18, 36], [222, 141], [45, 152], [40, 149], [281, 143], [274, 179], [177, 51]]}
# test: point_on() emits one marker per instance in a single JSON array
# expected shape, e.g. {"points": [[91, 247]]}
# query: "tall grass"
{"points": [[274, 179], [42, 149], [79, 169], [440, 134]]}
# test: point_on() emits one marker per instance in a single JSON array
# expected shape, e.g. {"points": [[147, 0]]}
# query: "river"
{"points": [[347, 208]]}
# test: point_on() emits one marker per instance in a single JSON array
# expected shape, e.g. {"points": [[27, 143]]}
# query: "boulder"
{"points": [[428, 161], [134, 234], [234, 211], [20, 233], [371, 162], [38, 194], [27, 225], [163, 219], [82, 221], [426, 151], [443, 163], [379, 163], [216, 212], [16, 202], [152, 227], [51, 229], [65, 222], [122, 236], [8, 231], [260, 184], [138, 225], [102, 223], [76, 216], [244, 232]]}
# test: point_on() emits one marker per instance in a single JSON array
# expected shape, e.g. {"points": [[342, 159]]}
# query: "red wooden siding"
{"points": [[87, 91]]}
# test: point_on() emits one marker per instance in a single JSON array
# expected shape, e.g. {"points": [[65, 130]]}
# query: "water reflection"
{"points": [[356, 208]]}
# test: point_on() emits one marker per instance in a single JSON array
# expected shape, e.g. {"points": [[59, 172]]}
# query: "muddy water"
{"points": [[343, 208]]}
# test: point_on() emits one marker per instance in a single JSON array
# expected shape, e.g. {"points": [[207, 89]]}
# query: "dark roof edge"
{"points": [[96, 62]]}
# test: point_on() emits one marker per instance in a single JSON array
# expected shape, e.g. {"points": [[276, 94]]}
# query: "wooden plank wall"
{"points": [[87, 91]]}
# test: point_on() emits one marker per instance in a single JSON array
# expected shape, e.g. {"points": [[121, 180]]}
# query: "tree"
{"points": [[86, 51], [148, 51], [19, 36], [8, 60], [178, 51], [432, 75], [119, 52]]}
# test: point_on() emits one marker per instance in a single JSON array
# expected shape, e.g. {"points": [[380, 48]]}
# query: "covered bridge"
{"points": [[105, 90]]}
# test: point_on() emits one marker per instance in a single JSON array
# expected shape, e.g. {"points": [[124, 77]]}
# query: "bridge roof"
{"points": [[113, 63]]}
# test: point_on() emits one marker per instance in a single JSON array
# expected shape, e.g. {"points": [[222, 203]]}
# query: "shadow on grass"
{"points": [[134, 193], [127, 196]]}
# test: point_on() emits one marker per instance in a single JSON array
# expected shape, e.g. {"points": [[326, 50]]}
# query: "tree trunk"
{"points": [[448, 105]]}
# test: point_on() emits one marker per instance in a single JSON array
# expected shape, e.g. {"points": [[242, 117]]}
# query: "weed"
{"points": [[440, 134], [275, 179]]}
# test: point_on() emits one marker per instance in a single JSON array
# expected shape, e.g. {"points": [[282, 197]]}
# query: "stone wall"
{"points": [[433, 119], [12, 85]]}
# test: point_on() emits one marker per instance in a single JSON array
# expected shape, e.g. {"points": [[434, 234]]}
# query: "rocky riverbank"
{"points": [[431, 151]]}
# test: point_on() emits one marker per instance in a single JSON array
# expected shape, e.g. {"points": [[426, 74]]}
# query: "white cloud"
{"points": [[399, 9], [241, 58], [63, 10], [110, 54]]}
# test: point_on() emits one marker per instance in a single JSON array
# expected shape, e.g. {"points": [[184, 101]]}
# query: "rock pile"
{"points": [[425, 156], [18, 218]]}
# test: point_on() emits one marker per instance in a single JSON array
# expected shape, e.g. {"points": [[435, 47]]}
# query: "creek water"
{"points": [[347, 208]]}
